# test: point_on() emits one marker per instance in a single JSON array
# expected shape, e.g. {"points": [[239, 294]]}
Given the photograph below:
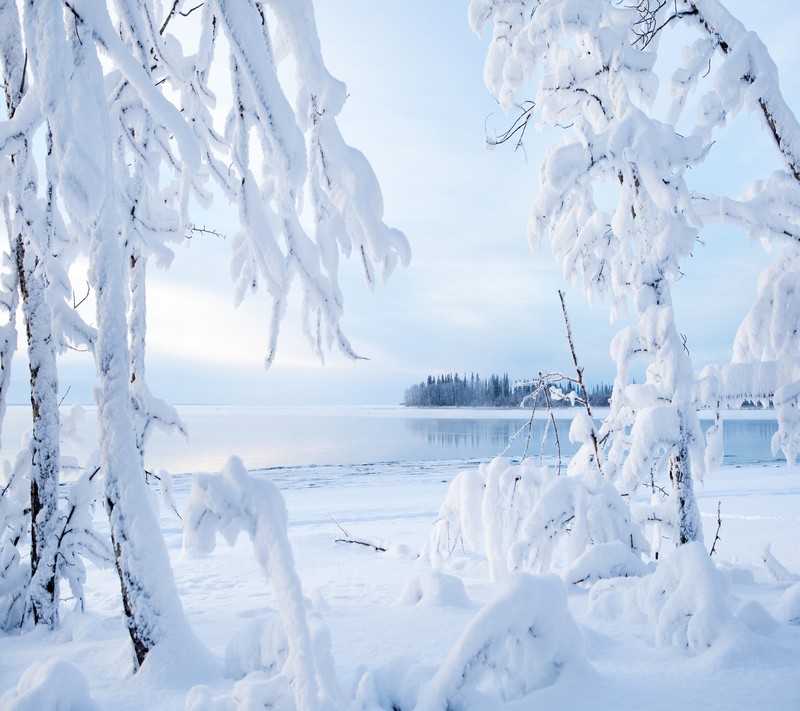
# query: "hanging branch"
{"points": [[551, 421], [519, 126], [543, 385]]}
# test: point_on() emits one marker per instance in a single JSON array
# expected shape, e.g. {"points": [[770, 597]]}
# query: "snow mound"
{"points": [[755, 617], [521, 641], [54, 685], [434, 589], [789, 605]]}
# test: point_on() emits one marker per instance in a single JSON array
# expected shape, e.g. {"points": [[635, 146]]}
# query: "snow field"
{"points": [[396, 626], [387, 648]]}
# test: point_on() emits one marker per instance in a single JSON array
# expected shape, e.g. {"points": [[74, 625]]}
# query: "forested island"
{"points": [[454, 390]]}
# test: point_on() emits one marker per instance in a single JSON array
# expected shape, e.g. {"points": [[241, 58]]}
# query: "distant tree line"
{"points": [[454, 390]]}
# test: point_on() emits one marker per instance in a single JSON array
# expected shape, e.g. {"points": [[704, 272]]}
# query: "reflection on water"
{"points": [[745, 441], [490, 437]]}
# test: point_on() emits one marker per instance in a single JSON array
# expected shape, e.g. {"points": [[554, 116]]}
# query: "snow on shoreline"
{"points": [[359, 594]]}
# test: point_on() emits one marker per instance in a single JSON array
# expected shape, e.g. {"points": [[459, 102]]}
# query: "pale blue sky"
{"points": [[474, 298]]}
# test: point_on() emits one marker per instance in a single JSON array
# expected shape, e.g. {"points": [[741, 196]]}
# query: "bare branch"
{"points": [[174, 10], [191, 230], [76, 304], [579, 371], [719, 525], [518, 127]]}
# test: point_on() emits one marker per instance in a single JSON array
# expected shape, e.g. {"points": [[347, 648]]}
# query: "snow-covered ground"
{"points": [[393, 623]]}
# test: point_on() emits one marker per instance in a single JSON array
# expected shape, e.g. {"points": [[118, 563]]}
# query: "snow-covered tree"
{"points": [[615, 201], [127, 119], [40, 250]]}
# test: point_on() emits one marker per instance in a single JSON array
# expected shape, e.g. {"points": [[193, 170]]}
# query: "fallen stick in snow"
{"points": [[348, 539]]}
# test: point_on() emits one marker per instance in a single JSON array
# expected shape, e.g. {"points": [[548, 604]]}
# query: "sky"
{"points": [[474, 298]]}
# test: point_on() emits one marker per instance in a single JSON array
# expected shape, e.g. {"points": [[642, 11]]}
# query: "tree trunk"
{"points": [[32, 284], [150, 600], [137, 327], [45, 459], [688, 523]]}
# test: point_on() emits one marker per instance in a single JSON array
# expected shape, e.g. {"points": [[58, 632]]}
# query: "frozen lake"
{"points": [[270, 437]]}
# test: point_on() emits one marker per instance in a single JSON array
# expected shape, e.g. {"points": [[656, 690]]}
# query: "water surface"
{"points": [[267, 437]]}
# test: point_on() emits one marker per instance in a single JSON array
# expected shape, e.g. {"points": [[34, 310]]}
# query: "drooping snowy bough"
{"points": [[521, 641], [615, 202], [233, 501]]}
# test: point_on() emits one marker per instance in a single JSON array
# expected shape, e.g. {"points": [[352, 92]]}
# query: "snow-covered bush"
{"points": [[521, 641], [283, 654], [684, 599], [54, 685], [394, 685], [516, 515]]}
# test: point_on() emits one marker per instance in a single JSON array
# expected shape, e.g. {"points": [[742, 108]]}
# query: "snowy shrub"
{"points": [[395, 685], [521, 641], [517, 514], [54, 685], [434, 589], [459, 526], [684, 599], [228, 503]]}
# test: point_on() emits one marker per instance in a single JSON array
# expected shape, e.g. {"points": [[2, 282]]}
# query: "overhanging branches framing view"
{"points": [[128, 124]]}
